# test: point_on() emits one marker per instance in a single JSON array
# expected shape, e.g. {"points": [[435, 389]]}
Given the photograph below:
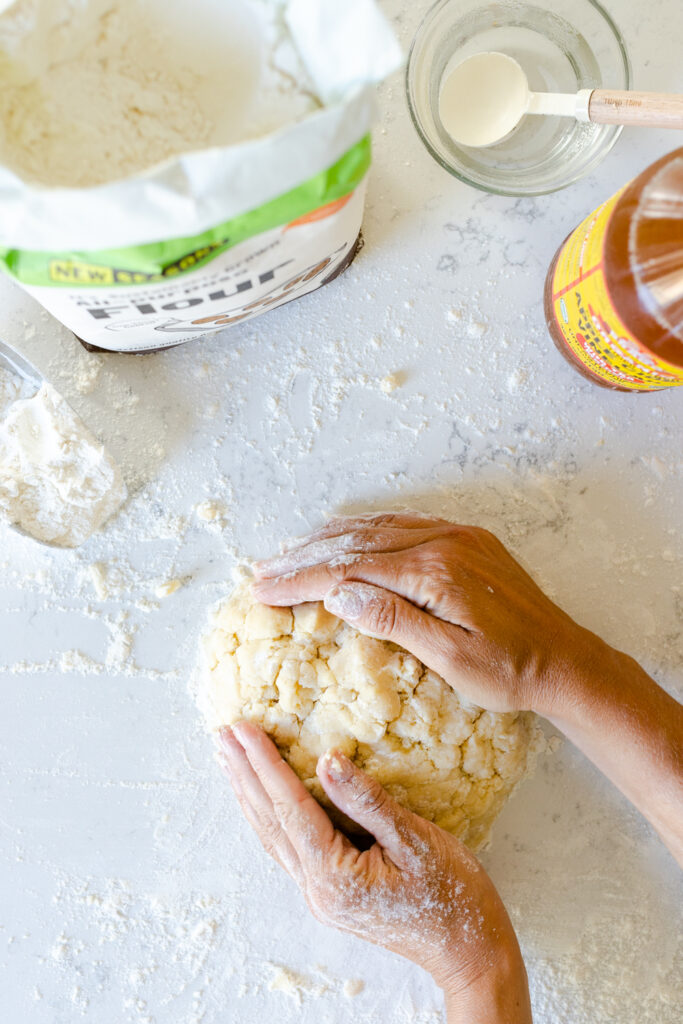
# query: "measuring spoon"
{"points": [[484, 98]]}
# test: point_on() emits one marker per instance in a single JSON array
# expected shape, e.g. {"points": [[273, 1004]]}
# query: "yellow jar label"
{"points": [[589, 323]]}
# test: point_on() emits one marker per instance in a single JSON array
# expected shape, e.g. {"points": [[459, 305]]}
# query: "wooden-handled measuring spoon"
{"points": [[484, 98]]}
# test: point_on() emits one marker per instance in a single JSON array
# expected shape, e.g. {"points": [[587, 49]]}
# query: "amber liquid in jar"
{"points": [[642, 267]]}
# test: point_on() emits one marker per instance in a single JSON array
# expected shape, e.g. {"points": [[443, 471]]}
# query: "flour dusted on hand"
{"points": [[93, 91], [57, 483], [313, 682]]}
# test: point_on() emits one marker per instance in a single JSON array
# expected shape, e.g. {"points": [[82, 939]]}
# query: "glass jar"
{"points": [[574, 46]]}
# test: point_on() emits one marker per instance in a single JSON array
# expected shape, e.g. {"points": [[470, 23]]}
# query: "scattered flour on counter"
{"points": [[299, 986], [477, 328], [618, 972], [517, 380], [209, 511], [295, 984], [60, 950], [80, 664], [94, 91], [118, 580], [88, 374], [57, 483], [353, 987], [390, 383], [167, 588], [181, 928], [109, 579]]}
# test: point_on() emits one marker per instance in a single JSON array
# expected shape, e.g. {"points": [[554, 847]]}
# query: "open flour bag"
{"points": [[170, 168]]}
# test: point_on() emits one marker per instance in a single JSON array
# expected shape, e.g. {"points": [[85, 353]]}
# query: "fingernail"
{"points": [[240, 734], [223, 762], [262, 575], [268, 566], [345, 602], [295, 542], [231, 737], [226, 752], [337, 766], [264, 564], [227, 741]]}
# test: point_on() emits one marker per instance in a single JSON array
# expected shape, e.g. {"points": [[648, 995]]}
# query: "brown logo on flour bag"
{"points": [[192, 212], [282, 293]]}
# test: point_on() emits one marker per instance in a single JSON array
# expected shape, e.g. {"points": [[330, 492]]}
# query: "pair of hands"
{"points": [[456, 599]]}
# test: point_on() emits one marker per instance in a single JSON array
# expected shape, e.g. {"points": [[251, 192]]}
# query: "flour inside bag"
{"points": [[167, 169]]}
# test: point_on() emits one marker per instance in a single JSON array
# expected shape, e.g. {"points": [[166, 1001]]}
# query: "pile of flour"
{"points": [[93, 91], [57, 483]]}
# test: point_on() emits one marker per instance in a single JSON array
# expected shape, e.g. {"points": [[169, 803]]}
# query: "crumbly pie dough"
{"points": [[313, 682]]}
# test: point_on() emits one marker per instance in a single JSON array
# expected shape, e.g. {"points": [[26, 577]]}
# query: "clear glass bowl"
{"points": [[574, 46]]}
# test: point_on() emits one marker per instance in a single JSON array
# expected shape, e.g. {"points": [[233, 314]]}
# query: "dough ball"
{"points": [[313, 682]]}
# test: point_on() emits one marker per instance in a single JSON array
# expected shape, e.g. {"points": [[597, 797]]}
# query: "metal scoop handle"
{"points": [[15, 362]]}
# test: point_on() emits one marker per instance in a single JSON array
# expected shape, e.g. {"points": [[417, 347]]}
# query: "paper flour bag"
{"points": [[168, 169]]}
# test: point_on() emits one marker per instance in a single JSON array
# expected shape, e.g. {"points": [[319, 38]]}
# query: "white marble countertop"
{"points": [[131, 890]]}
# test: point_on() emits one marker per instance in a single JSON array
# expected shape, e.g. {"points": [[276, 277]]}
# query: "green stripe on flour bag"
{"points": [[167, 260]]}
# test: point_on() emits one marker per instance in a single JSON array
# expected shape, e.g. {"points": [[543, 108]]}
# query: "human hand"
{"points": [[417, 891], [451, 595]]}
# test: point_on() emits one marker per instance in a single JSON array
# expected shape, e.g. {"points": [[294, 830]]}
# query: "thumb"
{"points": [[367, 803], [386, 615]]}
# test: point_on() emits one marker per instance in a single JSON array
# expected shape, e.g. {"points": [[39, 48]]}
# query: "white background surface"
{"points": [[130, 888]]}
